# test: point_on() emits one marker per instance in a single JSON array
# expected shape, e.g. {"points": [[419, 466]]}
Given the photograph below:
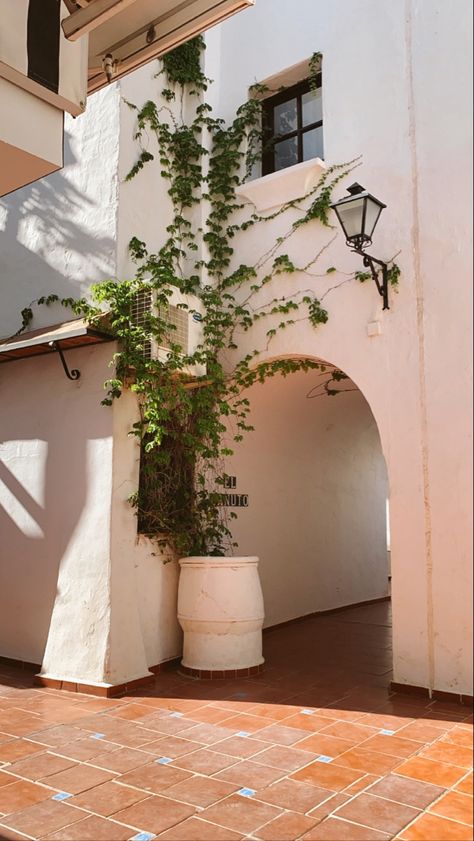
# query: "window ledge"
{"points": [[284, 186]]}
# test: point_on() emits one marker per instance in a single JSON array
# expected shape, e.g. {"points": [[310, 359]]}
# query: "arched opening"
{"points": [[314, 481]]}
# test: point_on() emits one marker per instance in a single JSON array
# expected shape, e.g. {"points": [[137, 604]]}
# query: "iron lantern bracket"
{"points": [[371, 263], [72, 374]]}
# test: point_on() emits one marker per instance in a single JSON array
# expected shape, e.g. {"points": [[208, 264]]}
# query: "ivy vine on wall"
{"points": [[185, 417]]}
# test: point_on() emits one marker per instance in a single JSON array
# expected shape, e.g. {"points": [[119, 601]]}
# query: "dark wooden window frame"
{"points": [[269, 138]]}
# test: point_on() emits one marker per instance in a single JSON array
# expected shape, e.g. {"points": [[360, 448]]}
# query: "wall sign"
{"points": [[234, 500]]}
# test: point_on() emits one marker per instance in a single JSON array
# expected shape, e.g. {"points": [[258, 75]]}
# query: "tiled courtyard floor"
{"points": [[314, 748]]}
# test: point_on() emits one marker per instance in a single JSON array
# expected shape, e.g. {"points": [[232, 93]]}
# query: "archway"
{"points": [[313, 482]]}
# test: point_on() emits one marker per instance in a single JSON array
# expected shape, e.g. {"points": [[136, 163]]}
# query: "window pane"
{"points": [[313, 144], [286, 153], [286, 117], [312, 107]]}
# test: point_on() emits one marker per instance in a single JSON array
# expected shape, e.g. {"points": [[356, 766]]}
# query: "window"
{"points": [[293, 126]]}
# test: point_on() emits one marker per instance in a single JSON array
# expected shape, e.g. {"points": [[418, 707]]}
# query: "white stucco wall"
{"points": [[55, 469], [315, 476], [59, 234]]}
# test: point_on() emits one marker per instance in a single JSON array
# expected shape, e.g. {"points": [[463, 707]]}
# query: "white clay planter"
{"points": [[221, 612]]}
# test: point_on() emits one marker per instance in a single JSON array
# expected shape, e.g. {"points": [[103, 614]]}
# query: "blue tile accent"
{"points": [[388, 732], [98, 736], [176, 715], [163, 760], [247, 792], [143, 836], [63, 795], [307, 712], [243, 734], [323, 758]]}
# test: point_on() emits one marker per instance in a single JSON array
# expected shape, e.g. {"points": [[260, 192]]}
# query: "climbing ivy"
{"points": [[194, 406]]}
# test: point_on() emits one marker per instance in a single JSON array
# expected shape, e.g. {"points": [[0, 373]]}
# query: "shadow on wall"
{"points": [[49, 444], [53, 240]]}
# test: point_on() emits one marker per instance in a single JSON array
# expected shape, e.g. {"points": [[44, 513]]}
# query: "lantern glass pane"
{"points": [[350, 215], [371, 217]]}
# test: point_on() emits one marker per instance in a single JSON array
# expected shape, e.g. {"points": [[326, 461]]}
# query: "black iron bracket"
{"points": [[371, 263], [72, 374]]}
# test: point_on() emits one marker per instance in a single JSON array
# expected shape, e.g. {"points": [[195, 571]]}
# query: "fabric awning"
{"points": [[69, 334]]}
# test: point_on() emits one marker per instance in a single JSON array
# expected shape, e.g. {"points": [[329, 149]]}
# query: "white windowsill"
{"points": [[281, 187]]}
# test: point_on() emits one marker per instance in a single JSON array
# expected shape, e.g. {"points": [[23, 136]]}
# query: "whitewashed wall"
{"points": [[315, 476]]}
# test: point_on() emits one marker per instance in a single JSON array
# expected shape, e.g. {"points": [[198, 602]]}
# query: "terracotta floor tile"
{"points": [[154, 778], [54, 737], [393, 745], [242, 814], [329, 806], [276, 711], [405, 790], [44, 818], [378, 813], [431, 827], [6, 778], [465, 785], [288, 825], [108, 798], [208, 734], [201, 791], [205, 762], [279, 734], [327, 745], [456, 806], [312, 723], [334, 829], [369, 761], [211, 715], [79, 778], [18, 749], [166, 724], [172, 746], [122, 760], [129, 712], [249, 774], [457, 735], [437, 773], [21, 794], [155, 814], [91, 829], [288, 759], [333, 777], [40, 765], [362, 784], [240, 747], [247, 723], [194, 829], [85, 749], [298, 797], [419, 731], [444, 751], [348, 730], [11, 834]]}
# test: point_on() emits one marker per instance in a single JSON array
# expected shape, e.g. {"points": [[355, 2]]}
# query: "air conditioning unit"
{"points": [[185, 313]]}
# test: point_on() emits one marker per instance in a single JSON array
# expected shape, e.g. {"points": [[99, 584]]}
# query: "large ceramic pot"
{"points": [[220, 609]]}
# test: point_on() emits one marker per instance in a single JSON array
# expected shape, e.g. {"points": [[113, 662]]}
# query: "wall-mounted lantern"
{"points": [[358, 214]]}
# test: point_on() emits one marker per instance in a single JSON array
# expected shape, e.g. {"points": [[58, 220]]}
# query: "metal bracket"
{"points": [[72, 374], [371, 263]]}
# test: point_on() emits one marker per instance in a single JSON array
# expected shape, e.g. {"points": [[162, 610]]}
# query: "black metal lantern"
{"points": [[358, 214]]}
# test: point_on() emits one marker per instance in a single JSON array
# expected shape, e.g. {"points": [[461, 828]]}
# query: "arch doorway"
{"points": [[315, 480]]}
